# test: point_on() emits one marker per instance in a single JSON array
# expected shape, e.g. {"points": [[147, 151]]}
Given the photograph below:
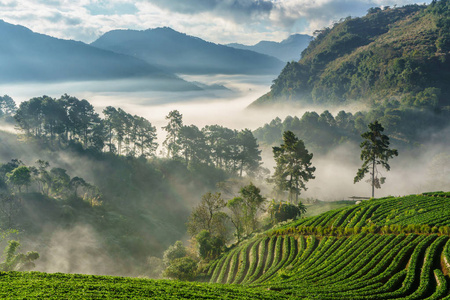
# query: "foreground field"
{"points": [[391, 248], [36, 285]]}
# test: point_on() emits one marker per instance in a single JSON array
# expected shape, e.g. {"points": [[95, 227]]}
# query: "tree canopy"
{"points": [[293, 167]]}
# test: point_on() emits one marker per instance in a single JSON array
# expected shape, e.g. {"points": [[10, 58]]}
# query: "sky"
{"points": [[218, 21]]}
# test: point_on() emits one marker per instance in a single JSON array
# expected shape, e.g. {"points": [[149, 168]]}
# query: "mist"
{"points": [[75, 250], [223, 106], [81, 248], [227, 106]]}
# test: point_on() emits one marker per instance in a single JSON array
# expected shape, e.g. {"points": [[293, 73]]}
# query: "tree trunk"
{"points": [[373, 178]]}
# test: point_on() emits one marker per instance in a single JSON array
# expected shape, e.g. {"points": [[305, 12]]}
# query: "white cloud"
{"points": [[220, 21]]}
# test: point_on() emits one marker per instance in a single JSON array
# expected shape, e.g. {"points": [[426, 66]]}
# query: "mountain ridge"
{"points": [[181, 53], [286, 50], [28, 56]]}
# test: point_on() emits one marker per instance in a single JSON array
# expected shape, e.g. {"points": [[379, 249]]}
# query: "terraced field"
{"points": [[425, 209], [344, 260]]}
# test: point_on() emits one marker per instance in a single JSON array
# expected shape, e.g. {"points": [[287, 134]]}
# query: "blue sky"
{"points": [[219, 21]]}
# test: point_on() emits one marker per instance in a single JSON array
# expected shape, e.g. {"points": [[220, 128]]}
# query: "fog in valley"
{"points": [[226, 105], [79, 249]]}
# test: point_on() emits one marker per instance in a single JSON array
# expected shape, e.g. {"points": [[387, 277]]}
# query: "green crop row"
{"points": [[36, 285], [348, 231]]}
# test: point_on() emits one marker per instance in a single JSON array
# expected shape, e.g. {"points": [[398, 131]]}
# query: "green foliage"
{"points": [[375, 151], [384, 258], [181, 268], [294, 167], [208, 216], [173, 128], [237, 215], [7, 108], [281, 211], [174, 251], [35, 285], [209, 247], [253, 203], [19, 177], [323, 132], [70, 121], [399, 52], [19, 261]]}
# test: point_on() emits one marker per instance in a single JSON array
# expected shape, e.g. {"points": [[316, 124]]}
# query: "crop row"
{"points": [[362, 266], [36, 285]]}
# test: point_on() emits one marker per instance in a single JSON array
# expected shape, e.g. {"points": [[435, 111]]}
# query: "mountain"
{"points": [[286, 50], [181, 53], [29, 56], [399, 54]]}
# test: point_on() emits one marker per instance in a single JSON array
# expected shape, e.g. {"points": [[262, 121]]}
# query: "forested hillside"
{"points": [[86, 190], [399, 53], [322, 132]]}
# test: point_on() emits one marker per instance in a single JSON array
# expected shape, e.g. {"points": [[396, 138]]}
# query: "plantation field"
{"points": [[362, 266], [36, 285], [390, 248], [425, 213], [379, 249]]}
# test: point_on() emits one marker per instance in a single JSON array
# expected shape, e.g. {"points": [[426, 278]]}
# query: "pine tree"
{"points": [[375, 151]]}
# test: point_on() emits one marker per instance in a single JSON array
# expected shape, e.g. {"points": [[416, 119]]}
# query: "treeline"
{"points": [[231, 150], [405, 126], [68, 120]]}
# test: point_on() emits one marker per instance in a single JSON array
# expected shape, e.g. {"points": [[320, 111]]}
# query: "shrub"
{"points": [[183, 268]]}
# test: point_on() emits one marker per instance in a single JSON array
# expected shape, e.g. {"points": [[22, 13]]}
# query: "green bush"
{"points": [[184, 268]]}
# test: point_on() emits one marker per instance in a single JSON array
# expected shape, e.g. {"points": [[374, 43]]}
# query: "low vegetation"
{"points": [[378, 254]]}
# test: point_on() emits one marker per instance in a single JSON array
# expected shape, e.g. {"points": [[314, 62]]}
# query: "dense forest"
{"points": [[70, 121], [394, 53]]}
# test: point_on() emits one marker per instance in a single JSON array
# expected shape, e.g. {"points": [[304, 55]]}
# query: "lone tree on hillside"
{"points": [[208, 215], [375, 151], [293, 167], [173, 128]]}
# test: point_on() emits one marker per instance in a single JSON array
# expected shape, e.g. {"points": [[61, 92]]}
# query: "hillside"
{"points": [[114, 235], [26, 56], [380, 249], [180, 53], [286, 50], [396, 53]]}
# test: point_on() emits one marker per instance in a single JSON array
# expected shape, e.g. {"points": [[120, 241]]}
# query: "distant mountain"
{"points": [[181, 53], [29, 56], [399, 55], [286, 50]]}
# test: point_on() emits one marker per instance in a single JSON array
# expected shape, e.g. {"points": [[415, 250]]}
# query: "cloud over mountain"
{"points": [[220, 21]]}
